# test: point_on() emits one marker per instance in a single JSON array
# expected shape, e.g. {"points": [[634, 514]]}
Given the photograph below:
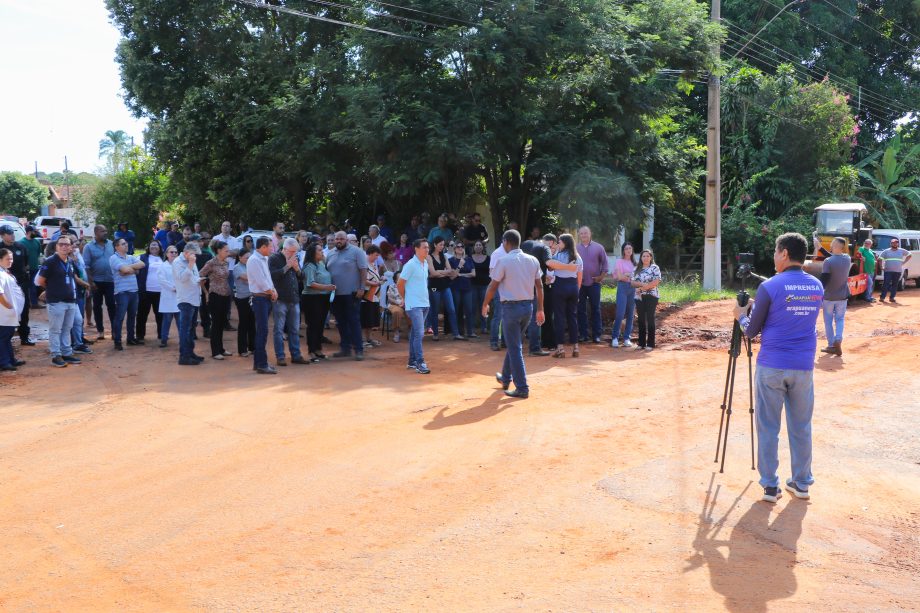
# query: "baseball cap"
{"points": [[6, 230]]}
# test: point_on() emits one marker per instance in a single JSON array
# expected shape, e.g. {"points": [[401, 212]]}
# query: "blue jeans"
{"points": [[890, 284], [834, 310], [187, 314], [515, 319], [261, 307], [533, 330], [168, 318], [436, 299], [286, 320], [870, 284], [479, 295], [6, 345], [590, 293], [565, 303], [774, 388], [76, 333], [125, 304], [495, 325], [417, 317], [626, 309], [348, 320], [463, 305], [60, 323]]}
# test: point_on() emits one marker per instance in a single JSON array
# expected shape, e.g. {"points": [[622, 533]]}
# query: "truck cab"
{"points": [[846, 220]]}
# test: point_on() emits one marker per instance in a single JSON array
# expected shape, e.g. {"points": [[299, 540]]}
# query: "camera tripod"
{"points": [[739, 339]]}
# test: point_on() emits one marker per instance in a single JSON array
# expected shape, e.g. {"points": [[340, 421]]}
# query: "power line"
{"points": [[373, 14], [871, 94], [856, 17], [347, 24]]}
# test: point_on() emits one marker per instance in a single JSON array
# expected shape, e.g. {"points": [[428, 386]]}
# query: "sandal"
{"points": [[575, 352], [559, 352]]}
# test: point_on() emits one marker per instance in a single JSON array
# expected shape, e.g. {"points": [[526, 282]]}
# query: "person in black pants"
{"points": [[148, 299], [646, 280], [19, 270], [317, 287], [246, 327]]}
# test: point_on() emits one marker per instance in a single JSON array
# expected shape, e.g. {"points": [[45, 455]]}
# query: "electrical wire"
{"points": [[283, 9], [856, 17]]}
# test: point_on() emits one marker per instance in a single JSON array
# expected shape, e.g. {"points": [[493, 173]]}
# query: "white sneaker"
{"points": [[615, 343], [627, 343]]}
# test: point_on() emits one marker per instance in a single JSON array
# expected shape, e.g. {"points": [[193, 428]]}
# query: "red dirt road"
{"points": [[129, 483]]}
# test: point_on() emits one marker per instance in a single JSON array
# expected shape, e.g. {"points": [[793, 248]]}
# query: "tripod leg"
{"points": [[728, 370], [728, 411], [750, 397]]}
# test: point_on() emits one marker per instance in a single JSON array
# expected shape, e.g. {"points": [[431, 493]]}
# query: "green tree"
{"points": [[115, 148], [21, 194], [892, 193], [136, 194]]}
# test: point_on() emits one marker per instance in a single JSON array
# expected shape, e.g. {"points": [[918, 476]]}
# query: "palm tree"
{"points": [[115, 146], [890, 195]]}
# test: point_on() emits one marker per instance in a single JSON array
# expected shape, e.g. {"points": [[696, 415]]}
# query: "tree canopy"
{"points": [[21, 195]]}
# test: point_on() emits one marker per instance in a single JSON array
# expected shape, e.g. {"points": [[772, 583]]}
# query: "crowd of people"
{"points": [[377, 281]]}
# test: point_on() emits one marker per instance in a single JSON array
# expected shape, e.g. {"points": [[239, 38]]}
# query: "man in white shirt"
{"points": [[263, 295]]}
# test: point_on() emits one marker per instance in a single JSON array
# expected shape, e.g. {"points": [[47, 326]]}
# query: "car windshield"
{"points": [[835, 222], [50, 221]]}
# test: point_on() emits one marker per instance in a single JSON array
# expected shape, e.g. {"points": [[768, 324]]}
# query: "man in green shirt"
{"points": [[869, 268], [33, 247]]}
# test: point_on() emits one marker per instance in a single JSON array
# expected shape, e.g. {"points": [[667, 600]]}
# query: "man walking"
{"points": [[348, 267], [594, 258], [785, 311], [96, 257], [285, 270], [188, 297], [19, 270], [413, 287], [834, 276], [893, 260], [57, 277], [516, 278], [868, 257], [263, 295]]}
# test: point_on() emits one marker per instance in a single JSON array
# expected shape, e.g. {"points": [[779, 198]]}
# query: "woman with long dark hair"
{"points": [[481, 282], [440, 274], [217, 272], [404, 251], [462, 288], [623, 271], [565, 296], [645, 281], [317, 287], [148, 284]]}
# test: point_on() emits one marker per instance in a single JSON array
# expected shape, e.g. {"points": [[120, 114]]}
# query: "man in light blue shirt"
{"points": [[96, 256], [413, 287], [125, 267], [188, 297], [517, 278]]}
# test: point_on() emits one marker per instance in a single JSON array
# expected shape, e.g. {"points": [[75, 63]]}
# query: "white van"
{"points": [[910, 240]]}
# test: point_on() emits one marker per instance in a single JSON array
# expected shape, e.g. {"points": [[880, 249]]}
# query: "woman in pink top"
{"points": [[626, 296]]}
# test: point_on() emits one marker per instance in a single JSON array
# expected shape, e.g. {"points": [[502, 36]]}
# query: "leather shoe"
{"points": [[8, 367], [498, 377], [268, 370], [516, 394], [189, 362], [281, 362], [540, 353], [27, 343], [341, 354], [19, 362], [299, 360]]}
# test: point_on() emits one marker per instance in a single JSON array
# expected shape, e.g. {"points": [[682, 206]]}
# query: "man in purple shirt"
{"points": [[784, 314], [594, 257]]}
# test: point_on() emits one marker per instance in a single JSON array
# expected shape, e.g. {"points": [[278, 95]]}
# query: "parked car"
{"points": [[255, 234], [47, 226], [910, 240]]}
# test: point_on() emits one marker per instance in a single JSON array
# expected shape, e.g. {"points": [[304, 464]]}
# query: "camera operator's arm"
{"points": [[752, 323]]}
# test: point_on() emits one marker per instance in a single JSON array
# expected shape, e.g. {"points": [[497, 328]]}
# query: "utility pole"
{"points": [[712, 246]]}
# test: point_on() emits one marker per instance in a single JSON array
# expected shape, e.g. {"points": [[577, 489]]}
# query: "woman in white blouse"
{"points": [[169, 305]]}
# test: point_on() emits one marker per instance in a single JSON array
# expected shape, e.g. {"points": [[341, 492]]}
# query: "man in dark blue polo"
{"points": [[517, 278], [57, 276]]}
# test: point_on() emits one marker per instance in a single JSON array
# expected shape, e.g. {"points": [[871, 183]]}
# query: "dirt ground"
{"points": [[128, 483]]}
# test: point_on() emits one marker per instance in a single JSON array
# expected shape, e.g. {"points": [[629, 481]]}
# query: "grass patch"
{"points": [[677, 292]]}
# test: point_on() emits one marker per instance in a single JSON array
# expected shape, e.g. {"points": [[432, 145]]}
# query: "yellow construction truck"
{"points": [[848, 221]]}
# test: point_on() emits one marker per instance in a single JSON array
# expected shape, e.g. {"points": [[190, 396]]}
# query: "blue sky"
{"points": [[61, 85]]}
